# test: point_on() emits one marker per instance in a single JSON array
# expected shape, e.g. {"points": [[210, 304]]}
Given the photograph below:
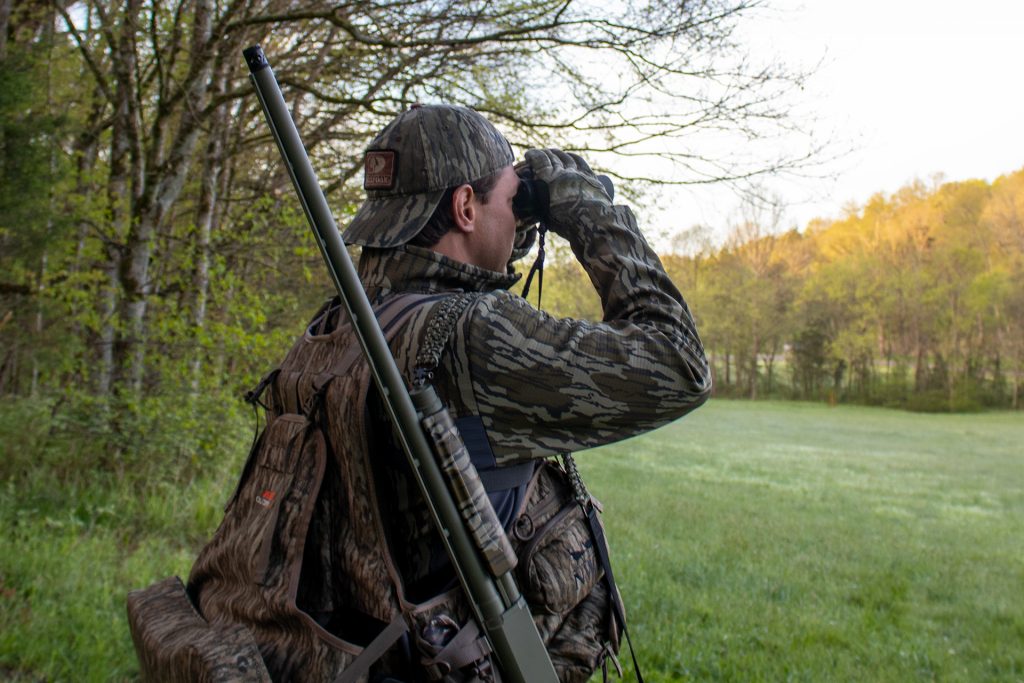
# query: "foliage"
{"points": [[89, 515], [151, 241], [913, 300]]}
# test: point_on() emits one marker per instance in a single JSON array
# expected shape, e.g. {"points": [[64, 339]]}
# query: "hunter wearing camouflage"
{"points": [[438, 232], [537, 386], [541, 386]]}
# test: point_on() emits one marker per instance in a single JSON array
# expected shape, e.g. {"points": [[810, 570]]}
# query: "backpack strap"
{"points": [[495, 479], [468, 646], [439, 328], [360, 666], [389, 316]]}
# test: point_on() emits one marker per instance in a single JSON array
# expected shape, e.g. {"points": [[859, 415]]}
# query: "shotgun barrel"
{"points": [[500, 609]]}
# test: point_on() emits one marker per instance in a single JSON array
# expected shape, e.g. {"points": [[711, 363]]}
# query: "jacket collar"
{"points": [[413, 269]]}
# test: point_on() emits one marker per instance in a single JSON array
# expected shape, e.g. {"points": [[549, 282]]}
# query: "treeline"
{"points": [[915, 300], [150, 243]]}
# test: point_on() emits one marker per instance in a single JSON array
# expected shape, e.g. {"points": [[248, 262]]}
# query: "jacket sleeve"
{"points": [[545, 386]]}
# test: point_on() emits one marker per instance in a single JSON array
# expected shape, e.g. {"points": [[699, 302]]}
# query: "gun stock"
{"points": [[499, 607]]}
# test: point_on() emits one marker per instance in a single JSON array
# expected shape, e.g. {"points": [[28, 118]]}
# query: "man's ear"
{"points": [[464, 208]]}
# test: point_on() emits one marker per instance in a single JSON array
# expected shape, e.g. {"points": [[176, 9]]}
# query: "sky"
{"points": [[912, 88]]}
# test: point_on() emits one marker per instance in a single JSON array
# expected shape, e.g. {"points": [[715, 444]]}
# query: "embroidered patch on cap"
{"points": [[380, 170]]}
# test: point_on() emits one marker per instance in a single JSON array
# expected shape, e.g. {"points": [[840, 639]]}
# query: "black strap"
{"points": [[602, 555], [601, 550], [253, 396], [508, 477], [494, 478], [537, 268]]}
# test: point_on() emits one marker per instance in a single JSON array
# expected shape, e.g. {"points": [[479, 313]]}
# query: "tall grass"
{"points": [[89, 514], [752, 541]]}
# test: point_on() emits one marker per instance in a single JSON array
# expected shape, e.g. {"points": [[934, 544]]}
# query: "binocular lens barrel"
{"points": [[532, 199]]}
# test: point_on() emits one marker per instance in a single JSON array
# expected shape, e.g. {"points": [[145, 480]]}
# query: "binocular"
{"points": [[532, 200]]}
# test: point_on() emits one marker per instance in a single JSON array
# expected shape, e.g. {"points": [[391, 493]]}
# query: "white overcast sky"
{"points": [[915, 88]]}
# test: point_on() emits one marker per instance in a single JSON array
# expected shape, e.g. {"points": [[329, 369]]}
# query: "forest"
{"points": [[914, 300], [154, 264], [150, 242], [154, 261]]}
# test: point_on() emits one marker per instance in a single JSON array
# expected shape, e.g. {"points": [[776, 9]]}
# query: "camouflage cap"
{"points": [[418, 156]]}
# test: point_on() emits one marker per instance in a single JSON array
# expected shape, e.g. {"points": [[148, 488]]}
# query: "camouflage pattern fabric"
{"points": [[176, 645], [545, 386], [248, 574], [553, 542], [466, 488], [410, 164], [301, 558], [542, 387]]}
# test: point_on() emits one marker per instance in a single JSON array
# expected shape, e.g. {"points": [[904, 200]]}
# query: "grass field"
{"points": [[752, 541], [782, 541]]}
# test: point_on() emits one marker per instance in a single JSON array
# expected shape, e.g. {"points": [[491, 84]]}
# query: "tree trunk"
{"points": [[1015, 395], [770, 363], [124, 165], [158, 182], [105, 380], [753, 367], [5, 20], [213, 166], [919, 366], [38, 324]]}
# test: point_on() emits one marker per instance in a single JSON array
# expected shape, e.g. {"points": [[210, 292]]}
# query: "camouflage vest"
{"points": [[306, 560]]}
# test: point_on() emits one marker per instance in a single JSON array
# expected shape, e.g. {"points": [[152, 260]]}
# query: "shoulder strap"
{"points": [[393, 312], [439, 328], [601, 550]]}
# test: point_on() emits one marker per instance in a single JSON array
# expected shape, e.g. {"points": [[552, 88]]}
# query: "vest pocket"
{"points": [[558, 566]]}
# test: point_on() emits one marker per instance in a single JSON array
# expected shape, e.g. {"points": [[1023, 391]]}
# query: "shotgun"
{"points": [[498, 606]]}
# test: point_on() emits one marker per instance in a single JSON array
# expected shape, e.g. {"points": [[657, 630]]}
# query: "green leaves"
{"points": [[919, 291]]}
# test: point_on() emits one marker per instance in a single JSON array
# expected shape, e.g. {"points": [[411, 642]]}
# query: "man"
{"points": [[438, 226], [538, 385]]}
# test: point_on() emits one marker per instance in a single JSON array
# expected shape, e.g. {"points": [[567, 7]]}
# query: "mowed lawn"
{"points": [[789, 541]]}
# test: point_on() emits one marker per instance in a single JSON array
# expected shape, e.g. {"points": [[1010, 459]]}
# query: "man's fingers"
{"points": [[541, 162], [580, 163]]}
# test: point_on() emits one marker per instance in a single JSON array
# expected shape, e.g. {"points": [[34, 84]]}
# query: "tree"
{"points": [[1003, 216], [178, 128]]}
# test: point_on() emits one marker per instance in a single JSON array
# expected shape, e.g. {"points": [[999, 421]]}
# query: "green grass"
{"points": [[77, 537], [784, 541], [752, 541]]}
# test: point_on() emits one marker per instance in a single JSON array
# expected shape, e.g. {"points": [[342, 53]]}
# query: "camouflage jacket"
{"points": [[544, 386], [540, 386]]}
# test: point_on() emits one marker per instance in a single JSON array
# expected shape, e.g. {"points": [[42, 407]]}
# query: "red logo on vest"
{"points": [[379, 173]]}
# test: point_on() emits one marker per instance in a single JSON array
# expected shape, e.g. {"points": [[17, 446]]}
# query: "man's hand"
{"points": [[571, 184]]}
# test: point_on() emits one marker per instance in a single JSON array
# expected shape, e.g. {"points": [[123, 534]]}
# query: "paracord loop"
{"points": [[439, 328]]}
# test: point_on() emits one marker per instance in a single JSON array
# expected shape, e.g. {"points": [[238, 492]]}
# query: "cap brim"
{"points": [[391, 221]]}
